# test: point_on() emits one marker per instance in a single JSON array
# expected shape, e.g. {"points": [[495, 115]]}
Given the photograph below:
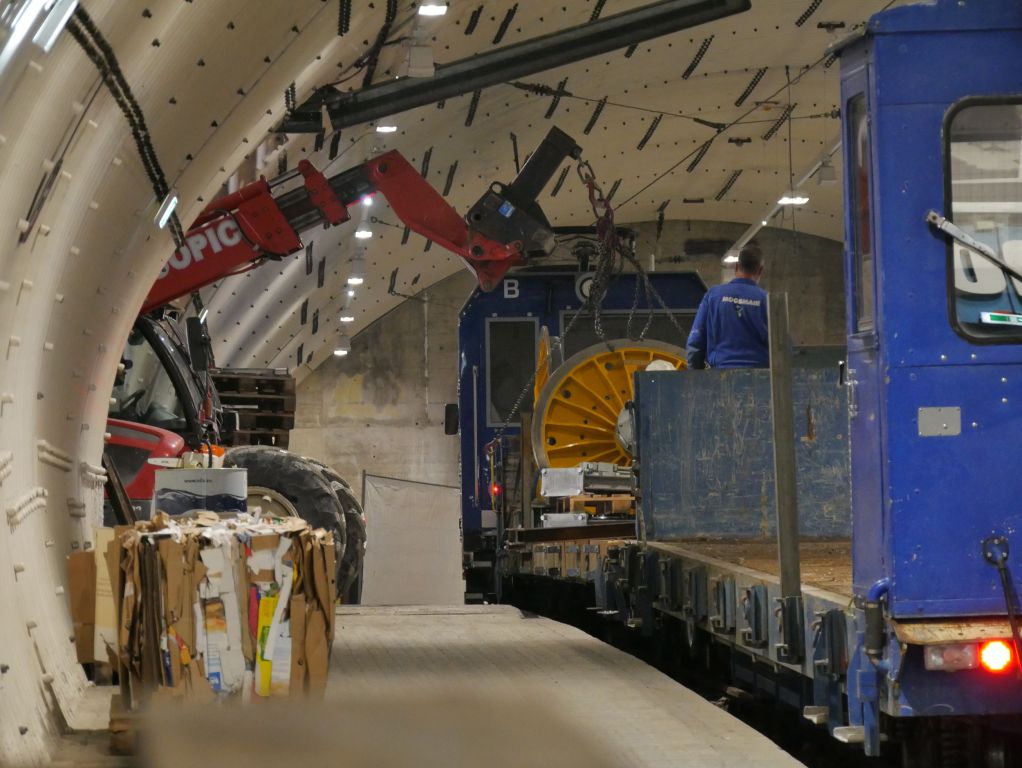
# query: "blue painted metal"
{"points": [[830, 660], [706, 453], [879, 589], [922, 505], [545, 297]]}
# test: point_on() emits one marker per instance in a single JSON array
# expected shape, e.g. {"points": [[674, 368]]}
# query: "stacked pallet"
{"points": [[264, 401]]}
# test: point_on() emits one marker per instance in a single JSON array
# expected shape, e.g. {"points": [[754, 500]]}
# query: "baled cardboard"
{"points": [[209, 608], [298, 683]]}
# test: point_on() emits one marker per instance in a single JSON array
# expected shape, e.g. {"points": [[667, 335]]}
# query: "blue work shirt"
{"points": [[730, 329]]}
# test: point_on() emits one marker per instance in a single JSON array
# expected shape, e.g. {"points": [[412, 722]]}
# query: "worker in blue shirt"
{"points": [[730, 329]]}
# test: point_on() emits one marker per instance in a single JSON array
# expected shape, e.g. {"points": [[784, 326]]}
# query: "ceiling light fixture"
{"points": [[58, 14], [357, 272], [731, 257], [343, 345], [419, 62], [433, 9], [363, 234], [367, 200], [166, 209], [351, 293], [826, 174], [347, 319], [386, 129], [793, 197]]}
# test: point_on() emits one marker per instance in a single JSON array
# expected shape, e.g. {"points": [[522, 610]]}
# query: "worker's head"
{"points": [[750, 263]]}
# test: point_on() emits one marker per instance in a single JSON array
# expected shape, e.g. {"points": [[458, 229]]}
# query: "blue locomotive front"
{"points": [[932, 118]]}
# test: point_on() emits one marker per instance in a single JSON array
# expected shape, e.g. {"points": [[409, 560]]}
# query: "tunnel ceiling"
{"points": [[693, 125]]}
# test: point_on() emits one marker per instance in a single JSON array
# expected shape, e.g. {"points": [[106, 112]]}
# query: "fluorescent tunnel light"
{"points": [[433, 9], [166, 209], [793, 197]]}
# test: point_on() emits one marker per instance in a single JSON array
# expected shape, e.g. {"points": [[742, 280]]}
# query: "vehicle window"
{"points": [[510, 364], [146, 393], [984, 157], [861, 235]]}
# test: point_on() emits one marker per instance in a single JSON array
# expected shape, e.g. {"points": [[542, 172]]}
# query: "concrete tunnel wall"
{"points": [[69, 293]]}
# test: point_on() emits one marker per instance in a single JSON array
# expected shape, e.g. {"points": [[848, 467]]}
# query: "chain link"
{"points": [[612, 255]]}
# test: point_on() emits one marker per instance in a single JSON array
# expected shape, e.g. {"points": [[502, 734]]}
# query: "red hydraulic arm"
{"points": [[237, 231], [424, 211]]}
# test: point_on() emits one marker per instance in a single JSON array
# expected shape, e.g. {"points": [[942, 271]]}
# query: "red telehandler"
{"points": [[164, 402]]}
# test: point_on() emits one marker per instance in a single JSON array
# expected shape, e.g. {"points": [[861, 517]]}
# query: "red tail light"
{"points": [[995, 656]]}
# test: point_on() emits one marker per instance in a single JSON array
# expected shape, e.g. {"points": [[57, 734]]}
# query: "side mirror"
{"points": [[199, 349], [451, 419]]}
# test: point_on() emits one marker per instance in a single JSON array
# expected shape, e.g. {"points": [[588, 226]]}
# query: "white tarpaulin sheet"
{"points": [[413, 543]]}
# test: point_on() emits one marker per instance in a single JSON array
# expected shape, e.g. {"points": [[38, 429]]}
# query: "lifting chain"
{"points": [[612, 255], [611, 244]]}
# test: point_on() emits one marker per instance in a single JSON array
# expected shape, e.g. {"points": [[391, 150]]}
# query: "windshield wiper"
{"points": [[959, 235]]}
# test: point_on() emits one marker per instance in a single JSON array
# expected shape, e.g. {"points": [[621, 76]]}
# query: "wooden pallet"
{"points": [[264, 400]]}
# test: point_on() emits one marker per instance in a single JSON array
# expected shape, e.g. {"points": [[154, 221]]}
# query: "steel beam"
{"points": [[509, 63], [785, 487], [785, 480], [623, 529]]}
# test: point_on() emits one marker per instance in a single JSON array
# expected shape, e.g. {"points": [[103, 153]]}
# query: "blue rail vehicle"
{"points": [[932, 114], [500, 338], [909, 494], [920, 643]]}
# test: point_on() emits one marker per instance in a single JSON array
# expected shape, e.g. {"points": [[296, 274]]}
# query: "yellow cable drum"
{"points": [[579, 408]]}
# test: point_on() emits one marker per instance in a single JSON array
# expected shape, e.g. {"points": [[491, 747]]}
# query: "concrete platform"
{"points": [[525, 691]]}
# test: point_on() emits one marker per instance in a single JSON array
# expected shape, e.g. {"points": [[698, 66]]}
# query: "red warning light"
{"points": [[995, 655], [495, 489]]}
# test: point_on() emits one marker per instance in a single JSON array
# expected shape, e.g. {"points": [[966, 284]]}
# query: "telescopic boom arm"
{"points": [[503, 229]]}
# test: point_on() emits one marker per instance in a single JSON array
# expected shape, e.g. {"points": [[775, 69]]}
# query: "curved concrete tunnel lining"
{"points": [[69, 297], [50, 395], [251, 296]]}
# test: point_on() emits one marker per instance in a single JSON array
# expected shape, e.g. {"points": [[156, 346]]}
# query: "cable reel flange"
{"points": [[578, 410]]}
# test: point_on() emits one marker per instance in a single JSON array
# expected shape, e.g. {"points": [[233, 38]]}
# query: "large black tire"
{"points": [[300, 481], [350, 571]]}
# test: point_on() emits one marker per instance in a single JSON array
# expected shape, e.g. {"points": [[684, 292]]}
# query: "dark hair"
{"points": [[750, 259]]}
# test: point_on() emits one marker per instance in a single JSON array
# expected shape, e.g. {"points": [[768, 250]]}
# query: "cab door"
{"points": [[864, 375]]}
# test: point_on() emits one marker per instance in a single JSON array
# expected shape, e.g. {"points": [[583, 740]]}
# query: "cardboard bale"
{"points": [[210, 607]]}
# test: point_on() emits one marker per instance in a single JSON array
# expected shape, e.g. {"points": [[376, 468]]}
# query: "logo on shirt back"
{"points": [[741, 301]]}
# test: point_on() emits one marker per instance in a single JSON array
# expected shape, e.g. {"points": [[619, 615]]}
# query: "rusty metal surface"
{"points": [[961, 630], [826, 563], [616, 530]]}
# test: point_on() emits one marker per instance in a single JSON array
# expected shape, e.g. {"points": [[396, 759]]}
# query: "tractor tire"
{"points": [[350, 571], [300, 481]]}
